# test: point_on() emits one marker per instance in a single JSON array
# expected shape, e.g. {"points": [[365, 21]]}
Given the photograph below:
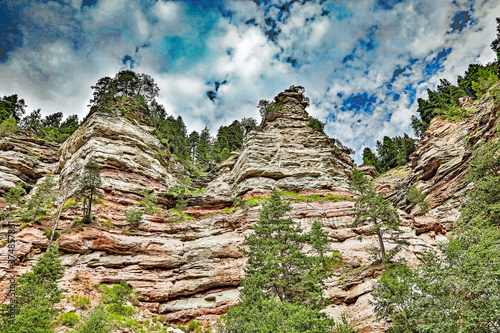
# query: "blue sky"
{"points": [[363, 63]]}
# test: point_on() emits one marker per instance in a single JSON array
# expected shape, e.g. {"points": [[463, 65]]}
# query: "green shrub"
{"points": [[80, 302], [97, 322], [344, 325], [9, 126], [315, 124], [451, 112], [15, 194], [48, 233], [178, 192], [195, 326], [69, 319], [496, 96], [178, 215], [417, 198], [133, 215], [117, 296]]}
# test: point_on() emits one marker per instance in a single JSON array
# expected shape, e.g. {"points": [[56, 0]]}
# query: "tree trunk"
{"points": [[381, 242], [57, 221]]}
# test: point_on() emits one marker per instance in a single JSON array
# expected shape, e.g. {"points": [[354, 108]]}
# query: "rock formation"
{"points": [[132, 158], [440, 162], [24, 159], [286, 154], [187, 268]]}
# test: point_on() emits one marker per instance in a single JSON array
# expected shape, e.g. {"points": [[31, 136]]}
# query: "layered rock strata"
{"points": [[194, 268], [440, 162], [132, 158], [286, 154], [24, 159]]}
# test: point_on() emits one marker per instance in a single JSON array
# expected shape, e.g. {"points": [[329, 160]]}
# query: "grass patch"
{"points": [[68, 319], [452, 113], [80, 302], [177, 215], [69, 203], [229, 210]]}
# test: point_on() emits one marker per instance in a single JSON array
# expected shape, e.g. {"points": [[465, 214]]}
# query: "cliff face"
{"points": [[132, 158], [440, 162], [24, 159], [186, 268]]}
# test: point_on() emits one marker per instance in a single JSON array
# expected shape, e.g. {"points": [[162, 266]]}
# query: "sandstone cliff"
{"points": [[285, 154], [186, 268], [440, 162], [24, 159]]}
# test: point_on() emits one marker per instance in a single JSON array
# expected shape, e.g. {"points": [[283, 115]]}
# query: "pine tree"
{"points": [[282, 291], [36, 294], [89, 182], [193, 139], [370, 158], [453, 290], [373, 208], [495, 45], [43, 196], [203, 149]]}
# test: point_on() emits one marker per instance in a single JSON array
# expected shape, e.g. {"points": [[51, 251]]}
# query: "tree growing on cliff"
{"points": [[373, 208], [282, 291], [125, 83], [88, 184], [36, 294], [43, 196], [14, 196], [495, 45], [455, 290], [8, 126], [203, 149], [483, 203], [11, 107]]}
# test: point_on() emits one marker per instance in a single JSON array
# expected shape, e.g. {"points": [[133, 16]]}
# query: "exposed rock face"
{"points": [[193, 268], [131, 156], [286, 154], [440, 162], [24, 159]]}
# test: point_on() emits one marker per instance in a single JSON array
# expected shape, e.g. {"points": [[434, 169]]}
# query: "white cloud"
{"points": [[187, 49], [168, 11]]}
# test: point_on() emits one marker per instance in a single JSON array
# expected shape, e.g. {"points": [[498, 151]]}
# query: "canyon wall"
{"points": [[190, 266]]}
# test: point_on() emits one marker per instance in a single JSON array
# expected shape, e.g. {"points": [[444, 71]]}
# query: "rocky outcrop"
{"points": [[286, 154], [440, 162], [132, 158], [24, 159]]}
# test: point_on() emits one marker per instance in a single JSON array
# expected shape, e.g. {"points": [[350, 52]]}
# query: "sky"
{"points": [[363, 63]]}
